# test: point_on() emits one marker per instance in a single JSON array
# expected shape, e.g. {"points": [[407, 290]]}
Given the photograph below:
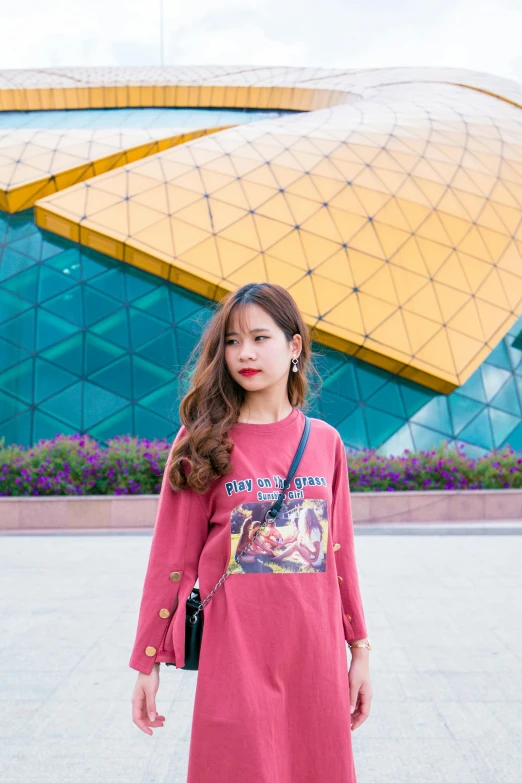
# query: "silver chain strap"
{"points": [[193, 618]]}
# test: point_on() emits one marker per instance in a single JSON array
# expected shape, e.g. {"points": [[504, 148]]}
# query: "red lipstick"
{"points": [[249, 371]]}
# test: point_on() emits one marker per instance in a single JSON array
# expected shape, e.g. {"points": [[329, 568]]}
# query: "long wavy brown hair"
{"points": [[213, 402]]}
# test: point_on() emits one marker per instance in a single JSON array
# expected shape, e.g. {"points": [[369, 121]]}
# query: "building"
{"points": [[388, 202]]}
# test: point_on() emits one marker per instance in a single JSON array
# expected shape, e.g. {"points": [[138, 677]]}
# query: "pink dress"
{"points": [[272, 697]]}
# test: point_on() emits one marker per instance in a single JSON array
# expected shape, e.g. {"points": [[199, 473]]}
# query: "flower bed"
{"points": [[443, 468], [79, 465]]}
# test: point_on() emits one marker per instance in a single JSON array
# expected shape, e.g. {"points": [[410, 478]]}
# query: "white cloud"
{"points": [[471, 35], [333, 33], [245, 44]]}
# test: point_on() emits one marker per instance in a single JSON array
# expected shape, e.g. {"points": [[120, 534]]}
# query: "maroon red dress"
{"points": [[272, 698]]}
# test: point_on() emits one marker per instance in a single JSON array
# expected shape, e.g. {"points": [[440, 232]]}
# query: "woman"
{"points": [[272, 535], [252, 718], [269, 538], [245, 537], [308, 541], [259, 545]]}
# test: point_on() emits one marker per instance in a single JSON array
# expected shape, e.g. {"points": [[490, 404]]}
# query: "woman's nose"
{"points": [[247, 353]]}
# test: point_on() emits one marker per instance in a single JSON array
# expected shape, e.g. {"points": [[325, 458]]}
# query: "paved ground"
{"points": [[443, 614]]}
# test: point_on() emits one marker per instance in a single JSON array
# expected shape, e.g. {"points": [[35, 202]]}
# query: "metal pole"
{"points": [[162, 48]]}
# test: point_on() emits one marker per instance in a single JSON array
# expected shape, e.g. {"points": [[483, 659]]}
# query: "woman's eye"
{"points": [[262, 336]]}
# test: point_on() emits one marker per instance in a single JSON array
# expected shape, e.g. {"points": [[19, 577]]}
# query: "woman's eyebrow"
{"points": [[259, 329]]}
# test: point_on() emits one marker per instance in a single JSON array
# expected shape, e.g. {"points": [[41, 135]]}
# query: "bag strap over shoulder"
{"points": [[276, 508]]}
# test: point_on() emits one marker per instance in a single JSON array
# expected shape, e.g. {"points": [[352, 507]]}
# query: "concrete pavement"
{"points": [[443, 615]]}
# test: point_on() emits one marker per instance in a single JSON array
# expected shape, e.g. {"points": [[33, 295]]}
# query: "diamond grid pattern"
{"points": [[395, 222], [222, 86], [34, 164], [82, 348], [397, 210], [106, 363], [44, 152]]}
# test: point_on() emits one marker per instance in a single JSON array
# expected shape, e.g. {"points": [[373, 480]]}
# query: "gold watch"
{"points": [[366, 644]]}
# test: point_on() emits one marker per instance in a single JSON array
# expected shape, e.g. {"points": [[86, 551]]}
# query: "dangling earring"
{"points": [[294, 368]]}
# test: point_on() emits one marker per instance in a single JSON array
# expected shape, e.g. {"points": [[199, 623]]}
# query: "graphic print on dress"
{"points": [[295, 542]]}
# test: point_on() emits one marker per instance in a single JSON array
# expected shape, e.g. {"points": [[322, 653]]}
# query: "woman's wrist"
{"points": [[360, 654], [360, 646]]}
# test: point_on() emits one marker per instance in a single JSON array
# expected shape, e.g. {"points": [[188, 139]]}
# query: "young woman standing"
{"points": [[258, 714]]}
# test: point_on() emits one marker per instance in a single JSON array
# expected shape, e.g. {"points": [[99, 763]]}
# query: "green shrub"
{"points": [[79, 465]]}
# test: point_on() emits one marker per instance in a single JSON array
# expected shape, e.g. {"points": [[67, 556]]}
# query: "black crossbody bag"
{"points": [[194, 608]]}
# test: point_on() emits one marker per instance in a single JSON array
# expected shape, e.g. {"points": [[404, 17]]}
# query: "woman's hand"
{"points": [[144, 701], [360, 687]]}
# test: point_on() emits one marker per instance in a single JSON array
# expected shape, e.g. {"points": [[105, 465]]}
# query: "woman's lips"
{"points": [[249, 372]]}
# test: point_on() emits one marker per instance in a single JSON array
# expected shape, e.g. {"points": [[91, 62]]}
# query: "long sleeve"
{"points": [[180, 532], [342, 533]]}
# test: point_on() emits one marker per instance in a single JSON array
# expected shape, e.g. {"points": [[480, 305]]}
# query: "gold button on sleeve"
{"points": [[150, 651], [336, 547], [164, 613], [340, 580], [175, 576]]}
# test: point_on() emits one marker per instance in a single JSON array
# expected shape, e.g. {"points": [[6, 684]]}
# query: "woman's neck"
{"points": [[265, 414]]}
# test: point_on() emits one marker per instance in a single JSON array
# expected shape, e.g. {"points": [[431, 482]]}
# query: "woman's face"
{"points": [[262, 346]]}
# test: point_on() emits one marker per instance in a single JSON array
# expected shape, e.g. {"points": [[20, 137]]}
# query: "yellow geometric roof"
{"points": [[393, 218], [35, 163], [225, 86]]}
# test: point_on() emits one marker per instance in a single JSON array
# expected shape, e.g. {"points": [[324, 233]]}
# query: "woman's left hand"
{"points": [[360, 688]]}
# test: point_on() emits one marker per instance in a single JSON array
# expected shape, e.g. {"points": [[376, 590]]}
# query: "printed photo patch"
{"points": [[295, 542]]}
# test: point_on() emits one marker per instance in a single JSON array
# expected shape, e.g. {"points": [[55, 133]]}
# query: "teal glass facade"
{"points": [[98, 119], [92, 345]]}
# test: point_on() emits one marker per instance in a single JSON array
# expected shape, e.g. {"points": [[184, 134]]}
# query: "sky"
{"points": [[482, 36]]}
